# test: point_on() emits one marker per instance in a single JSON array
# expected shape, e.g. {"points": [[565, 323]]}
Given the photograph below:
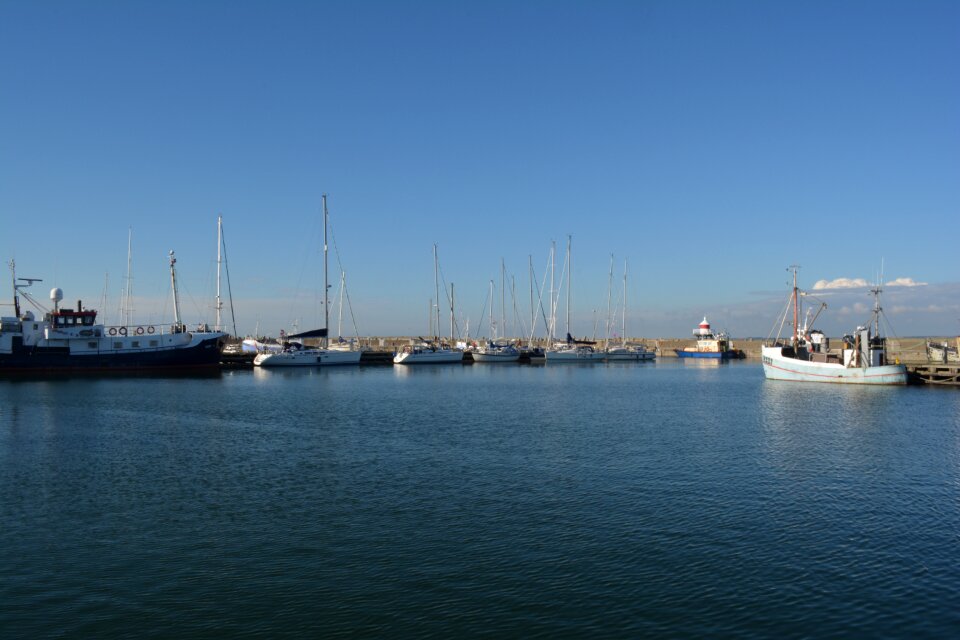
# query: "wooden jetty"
{"points": [[934, 373]]}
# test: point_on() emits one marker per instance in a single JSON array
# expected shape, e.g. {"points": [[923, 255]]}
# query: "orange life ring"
{"points": [[139, 331]]}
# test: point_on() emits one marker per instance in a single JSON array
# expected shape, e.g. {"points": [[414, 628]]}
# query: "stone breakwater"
{"points": [[906, 349]]}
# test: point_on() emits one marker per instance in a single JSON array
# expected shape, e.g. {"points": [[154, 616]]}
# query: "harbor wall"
{"points": [[906, 349]]}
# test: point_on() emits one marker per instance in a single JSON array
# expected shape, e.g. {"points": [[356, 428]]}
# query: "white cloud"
{"points": [[905, 282], [840, 283]]}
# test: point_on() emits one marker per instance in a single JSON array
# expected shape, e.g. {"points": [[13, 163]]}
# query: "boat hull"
{"points": [[776, 366], [713, 355], [573, 355], [200, 353], [629, 356], [495, 357], [429, 357], [307, 358]]}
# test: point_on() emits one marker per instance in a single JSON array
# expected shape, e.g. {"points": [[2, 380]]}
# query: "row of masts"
{"points": [[536, 302]]}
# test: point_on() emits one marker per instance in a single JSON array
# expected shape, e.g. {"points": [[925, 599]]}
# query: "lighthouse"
{"points": [[703, 329]]}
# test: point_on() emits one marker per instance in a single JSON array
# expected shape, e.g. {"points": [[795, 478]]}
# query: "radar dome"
{"points": [[56, 294]]}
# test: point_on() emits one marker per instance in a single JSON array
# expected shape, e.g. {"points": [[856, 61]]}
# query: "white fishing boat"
{"points": [[293, 352], [807, 356]]}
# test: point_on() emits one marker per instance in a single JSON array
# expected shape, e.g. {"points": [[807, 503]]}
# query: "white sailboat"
{"points": [[625, 351], [432, 351], [495, 351], [572, 350], [808, 357], [294, 354]]}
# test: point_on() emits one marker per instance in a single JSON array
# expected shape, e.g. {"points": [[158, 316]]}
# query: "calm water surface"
{"points": [[606, 500]]}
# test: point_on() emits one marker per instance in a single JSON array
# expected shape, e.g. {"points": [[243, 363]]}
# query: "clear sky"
{"points": [[711, 144]]}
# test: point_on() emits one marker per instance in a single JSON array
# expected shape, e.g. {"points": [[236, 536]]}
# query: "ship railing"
{"points": [[139, 331]]}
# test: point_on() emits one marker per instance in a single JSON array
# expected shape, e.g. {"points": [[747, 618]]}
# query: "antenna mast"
{"points": [[176, 296]]}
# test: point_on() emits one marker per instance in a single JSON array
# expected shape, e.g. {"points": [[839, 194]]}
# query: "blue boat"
{"points": [[715, 346]]}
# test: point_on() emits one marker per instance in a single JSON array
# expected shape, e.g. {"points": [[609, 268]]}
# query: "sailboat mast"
{"points": [[623, 322], [436, 284], [343, 291], [569, 278], [609, 319], [219, 326], [493, 335], [503, 308], [326, 287], [453, 333], [553, 293], [533, 313]]}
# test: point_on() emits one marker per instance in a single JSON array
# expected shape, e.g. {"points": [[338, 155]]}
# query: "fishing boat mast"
{"points": [[796, 307]]}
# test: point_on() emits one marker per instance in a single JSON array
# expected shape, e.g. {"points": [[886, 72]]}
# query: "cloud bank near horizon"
{"points": [[854, 283]]}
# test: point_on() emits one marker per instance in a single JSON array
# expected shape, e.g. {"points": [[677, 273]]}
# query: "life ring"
{"points": [[139, 331], [113, 331], [150, 329], [123, 331]]}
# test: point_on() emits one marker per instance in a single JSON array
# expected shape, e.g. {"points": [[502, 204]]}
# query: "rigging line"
{"points": [[782, 318], [446, 292], [482, 312], [353, 318], [543, 312]]}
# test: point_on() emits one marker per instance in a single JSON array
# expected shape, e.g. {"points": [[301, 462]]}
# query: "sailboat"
{"points": [[625, 351], [495, 351], [294, 354], [432, 351], [808, 357], [572, 350]]}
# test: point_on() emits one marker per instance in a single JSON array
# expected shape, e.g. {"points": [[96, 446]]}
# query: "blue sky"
{"points": [[711, 144]]}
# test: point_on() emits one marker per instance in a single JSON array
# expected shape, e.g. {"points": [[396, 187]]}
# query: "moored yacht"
{"points": [[427, 352], [496, 352], [293, 353]]}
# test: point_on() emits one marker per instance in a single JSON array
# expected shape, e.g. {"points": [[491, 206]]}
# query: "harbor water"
{"points": [[608, 500]]}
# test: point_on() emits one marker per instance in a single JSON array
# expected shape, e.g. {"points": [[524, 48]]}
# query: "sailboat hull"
{"points": [[441, 356], [307, 358]]}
